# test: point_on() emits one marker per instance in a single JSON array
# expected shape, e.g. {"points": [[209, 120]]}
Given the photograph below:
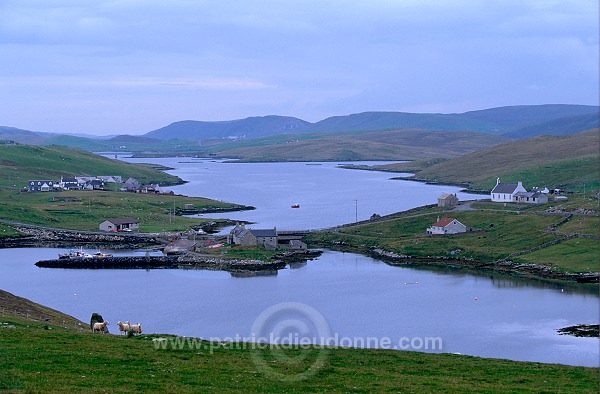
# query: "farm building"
{"points": [[447, 200], [447, 226], [120, 224]]}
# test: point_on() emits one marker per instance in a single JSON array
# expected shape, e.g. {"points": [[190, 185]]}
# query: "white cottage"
{"points": [[505, 192], [447, 226]]}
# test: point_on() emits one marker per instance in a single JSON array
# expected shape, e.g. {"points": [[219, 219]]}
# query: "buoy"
{"points": [[475, 298]]}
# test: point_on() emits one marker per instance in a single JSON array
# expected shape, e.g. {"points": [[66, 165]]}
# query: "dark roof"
{"points": [[505, 188], [264, 233], [123, 221], [69, 180]]}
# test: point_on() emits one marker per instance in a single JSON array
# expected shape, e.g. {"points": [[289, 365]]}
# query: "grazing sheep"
{"points": [[124, 327], [100, 327], [136, 328]]}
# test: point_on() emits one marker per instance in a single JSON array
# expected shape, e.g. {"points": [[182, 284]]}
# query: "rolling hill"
{"points": [[522, 115], [19, 163], [494, 121], [560, 126], [377, 145], [238, 137], [254, 127], [552, 161]]}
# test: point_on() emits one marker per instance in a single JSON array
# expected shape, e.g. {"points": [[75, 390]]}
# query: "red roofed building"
{"points": [[447, 226]]}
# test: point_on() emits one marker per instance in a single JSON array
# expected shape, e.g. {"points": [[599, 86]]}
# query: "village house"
{"points": [[447, 226], [131, 185], [68, 183], [149, 189], [119, 224], [240, 235], [94, 184], [505, 192], [110, 178], [447, 200], [533, 197], [40, 185]]}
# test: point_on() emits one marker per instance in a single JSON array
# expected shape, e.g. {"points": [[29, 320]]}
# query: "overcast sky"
{"points": [[131, 66]]}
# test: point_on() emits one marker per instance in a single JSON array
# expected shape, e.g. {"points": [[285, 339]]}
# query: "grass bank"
{"points": [[499, 235], [90, 208], [36, 357]]}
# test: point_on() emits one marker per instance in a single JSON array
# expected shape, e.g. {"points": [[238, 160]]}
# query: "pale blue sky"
{"points": [[131, 66]]}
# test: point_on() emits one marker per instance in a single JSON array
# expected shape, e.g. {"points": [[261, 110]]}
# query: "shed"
{"points": [[447, 200]]}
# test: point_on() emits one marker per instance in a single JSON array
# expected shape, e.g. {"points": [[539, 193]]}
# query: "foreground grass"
{"points": [[94, 207], [37, 357]]}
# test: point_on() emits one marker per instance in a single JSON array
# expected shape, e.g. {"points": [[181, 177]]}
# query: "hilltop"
{"points": [[552, 161]]}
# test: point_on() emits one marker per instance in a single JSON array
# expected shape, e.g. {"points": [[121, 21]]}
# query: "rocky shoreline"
{"points": [[186, 261], [506, 267]]}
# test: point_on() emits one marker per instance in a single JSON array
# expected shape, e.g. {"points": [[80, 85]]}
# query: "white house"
{"points": [[120, 224], [447, 226], [505, 192], [68, 183]]}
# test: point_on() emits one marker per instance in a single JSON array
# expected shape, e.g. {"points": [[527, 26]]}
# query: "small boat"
{"points": [[100, 255], [296, 206], [74, 254]]}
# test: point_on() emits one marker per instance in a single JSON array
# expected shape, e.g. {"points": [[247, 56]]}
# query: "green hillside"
{"points": [[551, 161], [20, 163], [46, 357]]}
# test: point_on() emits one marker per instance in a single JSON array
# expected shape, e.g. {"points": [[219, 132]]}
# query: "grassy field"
{"points": [[503, 233], [57, 359], [96, 206], [574, 255]]}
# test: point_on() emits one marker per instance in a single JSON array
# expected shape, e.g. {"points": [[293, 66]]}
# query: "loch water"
{"points": [[353, 296]]}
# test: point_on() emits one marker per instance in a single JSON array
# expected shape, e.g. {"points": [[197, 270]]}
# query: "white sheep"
{"points": [[124, 327], [100, 327], [136, 328]]}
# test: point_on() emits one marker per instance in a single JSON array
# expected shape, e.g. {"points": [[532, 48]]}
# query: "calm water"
{"points": [[328, 195], [352, 295], [356, 296]]}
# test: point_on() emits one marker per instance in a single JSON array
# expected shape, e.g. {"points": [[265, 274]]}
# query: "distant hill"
{"points": [[375, 145], [494, 121], [519, 116], [19, 135], [368, 121], [198, 137], [254, 127], [560, 126], [553, 161]]}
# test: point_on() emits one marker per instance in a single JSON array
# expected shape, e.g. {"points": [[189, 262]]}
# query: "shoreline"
{"points": [[507, 267]]}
